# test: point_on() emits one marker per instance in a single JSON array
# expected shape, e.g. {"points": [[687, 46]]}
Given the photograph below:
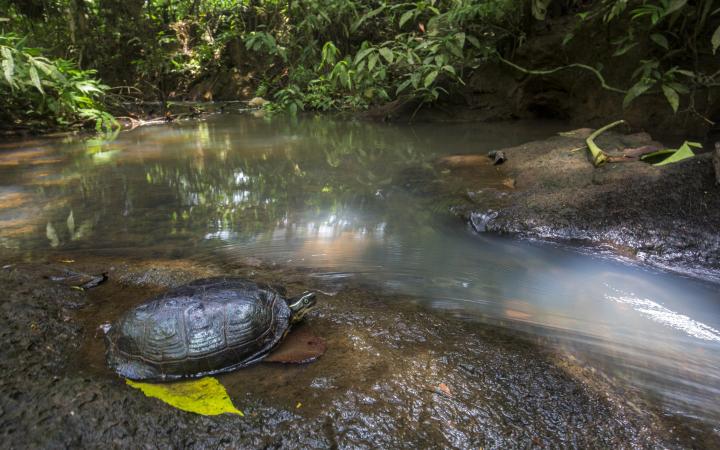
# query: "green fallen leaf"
{"points": [[599, 157], [205, 396], [684, 152]]}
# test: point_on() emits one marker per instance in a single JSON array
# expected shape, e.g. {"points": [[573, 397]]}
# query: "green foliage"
{"points": [[326, 55], [348, 55], [400, 51], [37, 91], [671, 35]]}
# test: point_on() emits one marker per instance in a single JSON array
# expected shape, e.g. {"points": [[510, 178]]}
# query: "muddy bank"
{"points": [[667, 216], [375, 386]]}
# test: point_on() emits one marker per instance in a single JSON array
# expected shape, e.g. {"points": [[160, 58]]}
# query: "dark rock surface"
{"points": [[377, 386], [668, 216]]}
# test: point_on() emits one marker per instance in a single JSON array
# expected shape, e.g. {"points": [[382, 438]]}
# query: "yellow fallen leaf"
{"points": [[205, 396], [298, 406], [67, 261]]}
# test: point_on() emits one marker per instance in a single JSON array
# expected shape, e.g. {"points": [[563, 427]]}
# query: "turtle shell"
{"points": [[209, 326]]}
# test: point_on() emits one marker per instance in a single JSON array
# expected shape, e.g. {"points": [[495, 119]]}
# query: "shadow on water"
{"points": [[363, 202]]}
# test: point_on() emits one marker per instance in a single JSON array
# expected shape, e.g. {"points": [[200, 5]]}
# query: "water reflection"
{"points": [[360, 200]]}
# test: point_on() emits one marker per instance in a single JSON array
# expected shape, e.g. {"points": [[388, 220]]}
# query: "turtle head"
{"points": [[300, 305]]}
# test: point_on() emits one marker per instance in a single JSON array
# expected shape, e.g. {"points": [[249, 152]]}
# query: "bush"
{"points": [[39, 92]]}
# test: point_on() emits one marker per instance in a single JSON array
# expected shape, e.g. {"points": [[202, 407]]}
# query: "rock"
{"points": [[659, 216], [498, 156], [480, 221], [636, 139], [78, 280], [257, 102]]}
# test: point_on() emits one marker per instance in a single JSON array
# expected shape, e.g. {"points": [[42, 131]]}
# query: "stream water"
{"points": [[358, 201]]}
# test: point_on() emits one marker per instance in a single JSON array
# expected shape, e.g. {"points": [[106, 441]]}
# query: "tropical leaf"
{"points": [[8, 65], [362, 54], [660, 40], [405, 17], [674, 6], [672, 97], [638, 89], [430, 78], [367, 16], [387, 54], [682, 153], [403, 86], [36, 79], [372, 61]]}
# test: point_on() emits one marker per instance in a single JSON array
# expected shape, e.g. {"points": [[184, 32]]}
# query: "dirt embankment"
{"points": [[377, 385], [668, 216]]}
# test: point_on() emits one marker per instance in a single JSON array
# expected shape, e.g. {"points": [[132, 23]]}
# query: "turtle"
{"points": [[206, 327]]}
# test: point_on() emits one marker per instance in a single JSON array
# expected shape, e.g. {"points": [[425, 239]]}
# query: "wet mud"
{"points": [[667, 216], [395, 375]]}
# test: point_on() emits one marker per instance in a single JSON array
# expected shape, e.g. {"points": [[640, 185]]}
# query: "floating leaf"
{"points": [[205, 396]]}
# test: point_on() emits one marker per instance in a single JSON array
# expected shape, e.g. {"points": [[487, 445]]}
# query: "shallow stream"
{"points": [[362, 202]]}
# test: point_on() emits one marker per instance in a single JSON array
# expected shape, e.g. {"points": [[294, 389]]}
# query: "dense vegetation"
{"points": [[330, 54]]}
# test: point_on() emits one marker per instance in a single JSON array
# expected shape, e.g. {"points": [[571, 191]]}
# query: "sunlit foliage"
{"points": [[346, 54]]}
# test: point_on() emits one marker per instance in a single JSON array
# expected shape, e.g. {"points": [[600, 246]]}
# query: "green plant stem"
{"points": [[597, 73], [599, 157]]}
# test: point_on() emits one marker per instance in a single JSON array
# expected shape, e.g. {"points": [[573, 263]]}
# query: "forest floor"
{"points": [[668, 216], [378, 385]]}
